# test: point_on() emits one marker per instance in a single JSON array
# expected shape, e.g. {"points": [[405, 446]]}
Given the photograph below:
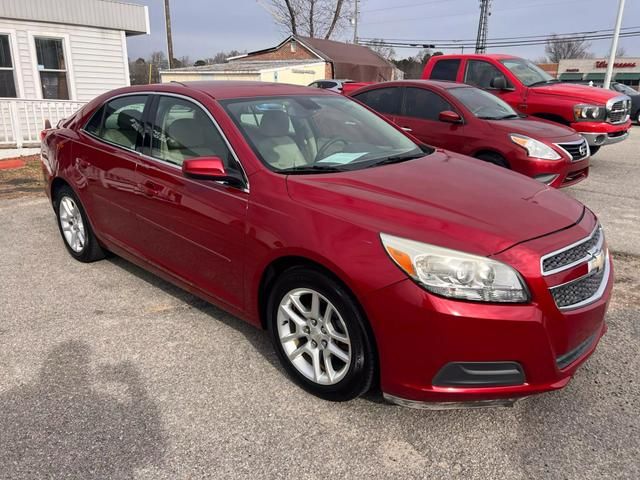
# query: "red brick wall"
{"points": [[283, 53]]}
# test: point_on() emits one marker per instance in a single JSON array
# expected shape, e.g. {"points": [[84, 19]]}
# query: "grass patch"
{"points": [[22, 182]]}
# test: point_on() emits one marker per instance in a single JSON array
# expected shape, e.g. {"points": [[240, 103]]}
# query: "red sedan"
{"points": [[468, 120], [370, 259]]}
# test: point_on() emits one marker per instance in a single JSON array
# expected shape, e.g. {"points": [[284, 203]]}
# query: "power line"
{"points": [[406, 5], [500, 44], [541, 35]]}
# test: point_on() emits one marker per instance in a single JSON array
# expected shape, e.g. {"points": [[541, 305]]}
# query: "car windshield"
{"points": [[626, 89], [527, 72], [318, 134], [483, 104]]}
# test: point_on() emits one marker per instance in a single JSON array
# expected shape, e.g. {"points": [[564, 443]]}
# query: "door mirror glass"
{"points": [[449, 117], [210, 168], [500, 83]]}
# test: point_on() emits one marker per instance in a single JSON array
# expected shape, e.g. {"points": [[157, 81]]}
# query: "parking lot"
{"points": [[110, 372]]}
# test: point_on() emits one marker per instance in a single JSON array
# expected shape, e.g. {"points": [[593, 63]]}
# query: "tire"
{"points": [[76, 232], [638, 117], [594, 149], [494, 158], [317, 336]]}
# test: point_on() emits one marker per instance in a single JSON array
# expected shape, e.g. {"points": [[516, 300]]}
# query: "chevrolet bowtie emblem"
{"points": [[596, 264]]}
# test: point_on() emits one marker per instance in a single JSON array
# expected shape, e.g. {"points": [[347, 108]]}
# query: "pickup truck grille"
{"points": [[618, 112], [576, 150], [574, 254], [578, 291]]}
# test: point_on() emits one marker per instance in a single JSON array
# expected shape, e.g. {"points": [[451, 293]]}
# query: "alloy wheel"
{"points": [[314, 336], [72, 224]]}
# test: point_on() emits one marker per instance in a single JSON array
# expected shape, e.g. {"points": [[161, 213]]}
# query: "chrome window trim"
{"points": [[596, 296], [158, 160], [576, 142], [569, 247]]}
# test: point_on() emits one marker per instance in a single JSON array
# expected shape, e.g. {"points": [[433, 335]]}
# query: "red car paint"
{"points": [[475, 136], [553, 101], [218, 242]]}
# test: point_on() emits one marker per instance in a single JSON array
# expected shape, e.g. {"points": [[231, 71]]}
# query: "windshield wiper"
{"points": [[312, 169], [505, 117], [544, 82], [397, 159]]}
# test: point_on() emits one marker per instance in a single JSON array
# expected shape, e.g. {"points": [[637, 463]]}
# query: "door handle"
{"points": [[407, 129], [149, 188]]}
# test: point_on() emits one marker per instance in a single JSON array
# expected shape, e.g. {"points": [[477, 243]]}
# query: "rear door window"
{"points": [[383, 100], [445, 69], [120, 121], [424, 104]]}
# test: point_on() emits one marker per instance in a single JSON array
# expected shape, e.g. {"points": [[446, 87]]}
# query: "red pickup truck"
{"points": [[602, 117]]}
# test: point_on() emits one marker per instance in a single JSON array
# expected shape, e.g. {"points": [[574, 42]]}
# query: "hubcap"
{"points": [[314, 336], [72, 225]]}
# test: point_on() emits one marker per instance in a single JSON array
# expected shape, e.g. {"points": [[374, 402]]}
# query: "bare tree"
{"points": [[385, 51], [621, 52], [558, 48], [312, 18]]}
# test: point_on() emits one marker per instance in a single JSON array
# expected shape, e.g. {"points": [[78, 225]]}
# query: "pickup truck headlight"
{"points": [[535, 148], [454, 274], [589, 113]]}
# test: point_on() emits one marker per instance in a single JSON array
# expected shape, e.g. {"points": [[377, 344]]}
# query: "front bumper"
{"points": [[599, 134], [418, 334]]}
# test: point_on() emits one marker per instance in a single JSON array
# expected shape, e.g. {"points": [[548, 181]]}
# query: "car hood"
{"points": [[581, 93], [535, 128], [443, 199]]}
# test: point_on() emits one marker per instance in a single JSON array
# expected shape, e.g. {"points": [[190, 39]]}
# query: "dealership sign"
{"points": [[603, 64]]}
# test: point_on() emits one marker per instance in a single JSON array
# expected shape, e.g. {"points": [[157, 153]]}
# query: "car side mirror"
{"points": [[449, 117], [209, 168], [500, 83]]}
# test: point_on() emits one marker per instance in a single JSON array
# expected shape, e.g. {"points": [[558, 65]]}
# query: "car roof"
{"points": [[438, 84], [495, 56], [224, 89]]}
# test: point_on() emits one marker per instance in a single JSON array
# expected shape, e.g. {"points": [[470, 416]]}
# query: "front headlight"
{"points": [[586, 112], [456, 274], [535, 148]]}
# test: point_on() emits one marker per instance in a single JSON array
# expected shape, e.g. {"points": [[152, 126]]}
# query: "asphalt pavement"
{"points": [[109, 372]]}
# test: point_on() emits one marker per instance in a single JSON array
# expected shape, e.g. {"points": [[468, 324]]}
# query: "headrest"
{"points": [[274, 123], [185, 133], [129, 120]]}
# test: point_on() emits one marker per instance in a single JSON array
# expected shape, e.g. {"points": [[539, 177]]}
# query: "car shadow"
{"points": [[258, 338], [79, 421]]}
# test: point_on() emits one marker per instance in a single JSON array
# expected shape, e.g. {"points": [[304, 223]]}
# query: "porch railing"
{"points": [[22, 120]]}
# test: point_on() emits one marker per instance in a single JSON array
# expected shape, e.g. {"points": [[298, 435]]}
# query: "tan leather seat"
{"points": [[124, 128], [275, 142]]}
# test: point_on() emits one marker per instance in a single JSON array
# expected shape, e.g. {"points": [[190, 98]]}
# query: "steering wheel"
{"points": [[329, 144]]}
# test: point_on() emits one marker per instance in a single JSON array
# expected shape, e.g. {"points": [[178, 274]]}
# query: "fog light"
{"points": [[546, 178], [600, 139]]}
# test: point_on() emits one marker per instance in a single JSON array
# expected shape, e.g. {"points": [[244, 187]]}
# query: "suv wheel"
{"points": [[320, 335]]}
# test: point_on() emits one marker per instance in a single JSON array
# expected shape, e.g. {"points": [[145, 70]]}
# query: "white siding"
{"points": [[96, 57]]}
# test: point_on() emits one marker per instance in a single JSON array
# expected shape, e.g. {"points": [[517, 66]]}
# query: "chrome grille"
{"points": [[578, 291], [576, 150], [573, 254], [618, 110]]}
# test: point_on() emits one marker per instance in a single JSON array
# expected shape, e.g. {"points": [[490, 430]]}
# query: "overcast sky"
{"points": [[203, 27]]}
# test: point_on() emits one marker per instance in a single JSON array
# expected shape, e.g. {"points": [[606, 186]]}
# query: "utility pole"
{"points": [[167, 21], [483, 26], [614, 46], [355, 21]]}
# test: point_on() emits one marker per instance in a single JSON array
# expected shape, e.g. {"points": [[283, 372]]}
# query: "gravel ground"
{"points": [[109, 372]]}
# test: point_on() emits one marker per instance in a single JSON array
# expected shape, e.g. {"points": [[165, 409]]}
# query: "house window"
{"points": [[7, 79], [52, 68]]}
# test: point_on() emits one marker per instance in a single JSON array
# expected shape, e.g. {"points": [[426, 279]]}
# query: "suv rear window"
{"points": [[445, 70]]}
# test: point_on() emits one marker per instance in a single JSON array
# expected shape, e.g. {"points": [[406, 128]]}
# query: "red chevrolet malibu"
{"points": [[467, 120], [370, 259]]}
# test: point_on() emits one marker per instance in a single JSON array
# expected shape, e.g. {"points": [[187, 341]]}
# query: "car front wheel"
{"points": [[320, 335], [74, 227]]}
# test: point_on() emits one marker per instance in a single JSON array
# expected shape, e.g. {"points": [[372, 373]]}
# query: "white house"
{"points": [[56, 55]]}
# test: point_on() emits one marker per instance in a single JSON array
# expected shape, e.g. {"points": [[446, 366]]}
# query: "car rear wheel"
{"points": [[74, 227], [320, 335], [494, 158]]}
